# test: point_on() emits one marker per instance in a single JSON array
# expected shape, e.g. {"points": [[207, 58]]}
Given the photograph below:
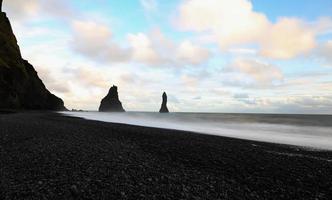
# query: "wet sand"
{"points": [[50, 156]]}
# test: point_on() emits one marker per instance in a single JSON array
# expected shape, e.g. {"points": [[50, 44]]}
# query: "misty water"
{"points": [[313, 131]]}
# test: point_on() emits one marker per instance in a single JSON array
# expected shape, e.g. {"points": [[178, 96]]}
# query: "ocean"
{"points": [[309, 131]]}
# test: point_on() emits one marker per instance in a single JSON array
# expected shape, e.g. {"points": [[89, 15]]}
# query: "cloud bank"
{"points": [[221, 56], [231, 23]]}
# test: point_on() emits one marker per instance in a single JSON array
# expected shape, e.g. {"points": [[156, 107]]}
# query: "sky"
{"points": [[251, 56]]}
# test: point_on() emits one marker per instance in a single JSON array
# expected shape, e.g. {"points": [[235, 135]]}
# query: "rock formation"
{"points": [[20, 86], [111, 102], [164, 108]]}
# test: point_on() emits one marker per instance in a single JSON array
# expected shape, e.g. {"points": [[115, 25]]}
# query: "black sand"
{"points": [[49, 156]]}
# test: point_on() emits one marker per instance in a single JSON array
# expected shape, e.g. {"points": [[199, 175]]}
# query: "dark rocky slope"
{"points": [[20, 86], [164, 108], [111, 102]]}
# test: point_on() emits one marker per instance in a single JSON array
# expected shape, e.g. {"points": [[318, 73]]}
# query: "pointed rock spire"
{"points": [[164, 108], [111, 102]]}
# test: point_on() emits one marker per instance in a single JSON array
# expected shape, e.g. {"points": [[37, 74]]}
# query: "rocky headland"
{"points": [[20, 86]]}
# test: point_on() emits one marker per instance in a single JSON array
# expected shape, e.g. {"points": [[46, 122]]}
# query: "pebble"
{"points": [[74, 191]]}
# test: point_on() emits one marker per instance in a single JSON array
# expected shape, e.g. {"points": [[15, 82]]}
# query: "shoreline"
{"points": [[47, 155], [297, 148], [256, 128]]}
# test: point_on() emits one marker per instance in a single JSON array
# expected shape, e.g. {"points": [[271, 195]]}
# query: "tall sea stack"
{"points": [[20, 86], [111, 102], [164, 108]]}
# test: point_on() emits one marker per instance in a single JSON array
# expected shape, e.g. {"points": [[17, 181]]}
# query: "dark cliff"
{"points": [[20, 86], [164, 108], [111, 102]]}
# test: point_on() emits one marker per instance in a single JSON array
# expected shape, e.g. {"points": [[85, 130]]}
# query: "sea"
{"points": [[308, 131]]}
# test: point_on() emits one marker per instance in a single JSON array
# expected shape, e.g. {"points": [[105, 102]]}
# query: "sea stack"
{"points": [[20, 86], [111, 102], [164, 108]]}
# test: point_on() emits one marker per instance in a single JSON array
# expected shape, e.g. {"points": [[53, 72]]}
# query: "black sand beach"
{"points": [[49, 156]]}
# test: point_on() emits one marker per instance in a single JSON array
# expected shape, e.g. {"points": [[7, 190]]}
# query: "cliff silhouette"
{"points": [[20, 86]]}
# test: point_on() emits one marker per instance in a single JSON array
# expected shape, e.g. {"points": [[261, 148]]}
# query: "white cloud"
{"points": [[324, 52], [95, 40], [190, 82], [142, 48], [91, 77], [243, 51], [323, 25], [53, 84], [155, 49], [287, 38], [253, 72], [232, 23], [190, 53], [23, 10], [95, 35]]}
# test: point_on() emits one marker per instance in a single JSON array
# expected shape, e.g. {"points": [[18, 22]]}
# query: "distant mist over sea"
{"points": [[313, 131]]}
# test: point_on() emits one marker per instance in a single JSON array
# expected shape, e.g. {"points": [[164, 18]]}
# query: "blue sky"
{"points": [[208, 55]]}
